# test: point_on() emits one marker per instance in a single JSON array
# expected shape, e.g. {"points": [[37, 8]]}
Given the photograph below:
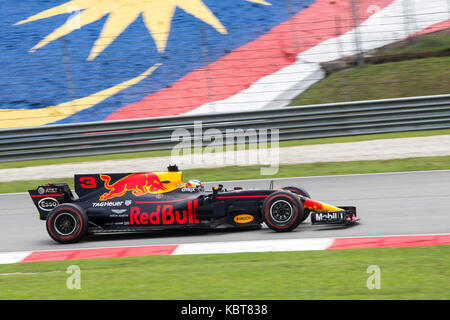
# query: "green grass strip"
{"points": [[405, 273], [418, 77], [423, 43], [294, 170]]}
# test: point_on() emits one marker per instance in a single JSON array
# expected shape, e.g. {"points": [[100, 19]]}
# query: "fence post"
{"points": [[406, 26], [205, 56], [293, 31], [448, 9], [68, 72], [359, 52], [344, 83]]}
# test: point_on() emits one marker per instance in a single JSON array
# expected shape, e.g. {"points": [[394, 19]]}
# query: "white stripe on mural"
{"points": [[386, 26]]}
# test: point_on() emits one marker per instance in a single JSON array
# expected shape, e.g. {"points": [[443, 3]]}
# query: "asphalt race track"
{"points": [[404, 203]]}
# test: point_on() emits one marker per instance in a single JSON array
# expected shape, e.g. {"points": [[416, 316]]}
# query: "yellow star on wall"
{"points": [[157, 16]]}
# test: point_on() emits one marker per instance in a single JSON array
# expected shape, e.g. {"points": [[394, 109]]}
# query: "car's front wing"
{"points": [[345, 216]]}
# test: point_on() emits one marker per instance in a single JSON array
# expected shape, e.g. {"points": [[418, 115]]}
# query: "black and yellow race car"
{"points": [[160, 200]]}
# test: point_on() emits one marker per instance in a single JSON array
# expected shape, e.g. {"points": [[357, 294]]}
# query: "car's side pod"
{"points": [[49, 196]]}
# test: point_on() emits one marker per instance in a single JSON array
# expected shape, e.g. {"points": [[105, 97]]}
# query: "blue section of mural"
{"points": [[59, 72]]}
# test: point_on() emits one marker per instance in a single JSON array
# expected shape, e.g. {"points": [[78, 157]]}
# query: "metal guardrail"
{"points": [[303, 122]]}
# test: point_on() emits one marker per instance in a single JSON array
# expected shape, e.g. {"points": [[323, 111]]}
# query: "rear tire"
{"points": [[67, 223], [301, 192], [282, 211]]}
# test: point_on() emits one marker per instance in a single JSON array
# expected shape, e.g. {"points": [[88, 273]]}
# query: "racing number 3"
{"points": [[88, 182]]}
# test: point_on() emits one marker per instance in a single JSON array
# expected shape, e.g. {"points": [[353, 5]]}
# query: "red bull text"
{"points": [[165, 215]]}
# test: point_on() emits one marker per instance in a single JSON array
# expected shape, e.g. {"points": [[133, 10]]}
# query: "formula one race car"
{"points": [[160, 200]]}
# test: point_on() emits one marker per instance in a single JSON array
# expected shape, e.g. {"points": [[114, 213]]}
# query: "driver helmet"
{"points": [[194, 184]]}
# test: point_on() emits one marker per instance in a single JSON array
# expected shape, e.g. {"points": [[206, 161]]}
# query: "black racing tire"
{"points": [[301, 192], [67, 223], [282, 211], [297, 190]]}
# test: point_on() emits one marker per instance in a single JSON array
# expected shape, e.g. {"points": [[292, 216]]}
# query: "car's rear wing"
{"points": [[49, 196]]}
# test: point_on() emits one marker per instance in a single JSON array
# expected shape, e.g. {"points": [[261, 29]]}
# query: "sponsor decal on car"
{"points": [[119, 211], [137, 183], [118, 215], [165, 215], [128, 202], [243, 218], [189, 189], [45, 190], [329, 216], [47, 204], [318, 206], [108, 204]]}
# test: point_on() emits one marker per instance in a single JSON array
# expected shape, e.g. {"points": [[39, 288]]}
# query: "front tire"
{"points": [[298, 190], [301, 192], [67, 223], [282, 211]]}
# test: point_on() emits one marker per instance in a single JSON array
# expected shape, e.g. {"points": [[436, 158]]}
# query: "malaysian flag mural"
{"points": [[94, 60]]}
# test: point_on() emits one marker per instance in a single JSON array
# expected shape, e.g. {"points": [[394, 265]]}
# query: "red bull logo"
{"points": [[313, 205], [136, 183], [317, 206], [165, 215]]}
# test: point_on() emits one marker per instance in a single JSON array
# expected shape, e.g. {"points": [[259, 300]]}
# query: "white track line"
{"points": [[254, 246], [13, 257]]}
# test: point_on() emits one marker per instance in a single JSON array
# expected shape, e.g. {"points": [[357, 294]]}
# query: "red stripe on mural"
{"points": [[433, 28], [99, 253], [388, 242], [239, 69]]}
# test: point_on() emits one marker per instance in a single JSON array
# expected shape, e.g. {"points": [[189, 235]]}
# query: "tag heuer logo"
{"points": [[127, 202]]}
